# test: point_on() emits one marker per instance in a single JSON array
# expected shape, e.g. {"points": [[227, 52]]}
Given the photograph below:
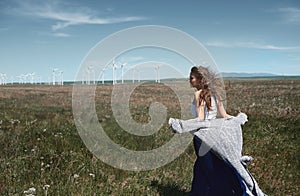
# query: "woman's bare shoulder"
{"points": [[197, 93]]}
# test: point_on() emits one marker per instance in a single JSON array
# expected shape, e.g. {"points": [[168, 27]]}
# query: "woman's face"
{"points": [[193, 81]]}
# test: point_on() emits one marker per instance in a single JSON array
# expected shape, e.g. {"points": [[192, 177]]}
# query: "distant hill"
{"points": [[246, 75]]}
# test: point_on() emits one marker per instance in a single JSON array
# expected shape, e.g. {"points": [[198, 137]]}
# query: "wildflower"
{"points": [[13, 121], [30, 191], [32, 122], [92, 175], [46, 187], [76, 176]]}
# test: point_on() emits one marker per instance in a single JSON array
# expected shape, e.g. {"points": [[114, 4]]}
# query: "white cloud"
{"points": [[65, 17], [60, 35], [290, 14], [251, 45]]}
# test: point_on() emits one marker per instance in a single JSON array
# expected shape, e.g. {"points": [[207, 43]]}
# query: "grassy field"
{"points": [[42, 153]]}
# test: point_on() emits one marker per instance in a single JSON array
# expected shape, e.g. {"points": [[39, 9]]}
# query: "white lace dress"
{"points": [[208, 114]]}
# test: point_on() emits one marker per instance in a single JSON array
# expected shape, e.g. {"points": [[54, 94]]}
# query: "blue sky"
{"points": [[242, 36]]}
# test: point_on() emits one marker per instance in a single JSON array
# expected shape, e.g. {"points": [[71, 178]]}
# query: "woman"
{"points": [[212, 176]]}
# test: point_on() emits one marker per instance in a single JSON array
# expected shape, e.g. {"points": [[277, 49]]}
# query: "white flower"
{"points": [[30, 191], [46, 186], [76, 176], [92, 175]]}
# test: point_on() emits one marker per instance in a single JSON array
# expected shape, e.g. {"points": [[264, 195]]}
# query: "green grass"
{"points": [[40, 144]]}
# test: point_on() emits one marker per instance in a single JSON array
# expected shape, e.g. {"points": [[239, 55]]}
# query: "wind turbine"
{"points": [[114, 72], [23, 78], [39, 80], [88, 79], [82, 79], [139, 75], [133, 75], [53, 75], [27, 78], [11, 80], [31, 75], [20, 78], [103, 70], [90, 70], [3, 78], [157, 74], [122, 69], [61, 78]]}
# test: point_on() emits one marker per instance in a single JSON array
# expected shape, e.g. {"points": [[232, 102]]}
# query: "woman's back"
{"points": [[208, 114]]}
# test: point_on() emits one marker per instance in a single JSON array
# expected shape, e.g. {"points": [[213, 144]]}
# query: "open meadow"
{"points": [[41, 152]]}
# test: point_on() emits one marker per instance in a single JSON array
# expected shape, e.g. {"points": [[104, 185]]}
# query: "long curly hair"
{"points": [[210, 83]]}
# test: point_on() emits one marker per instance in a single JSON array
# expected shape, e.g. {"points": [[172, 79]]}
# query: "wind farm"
{"points": [[113, 74]]}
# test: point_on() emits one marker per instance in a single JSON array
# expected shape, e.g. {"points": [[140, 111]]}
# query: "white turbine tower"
{"points": [[82, 79], [3, 78], [133, 70], [122, 69], [87, 78], [114, 68], [139, 74], [24, 78], [27, 78], [90, 71], [20, 78], [39, 80], [114, 73], [157, 74], [53, 75], [61, 73], [11, 80], [103, 70], [62, 77], [31, 75]]}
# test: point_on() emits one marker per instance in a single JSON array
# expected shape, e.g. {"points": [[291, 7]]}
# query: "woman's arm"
{"points": [[199, 106], [222, 110]]}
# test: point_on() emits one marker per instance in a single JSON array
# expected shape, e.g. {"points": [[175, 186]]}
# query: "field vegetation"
{"points": [[41, 152]]}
